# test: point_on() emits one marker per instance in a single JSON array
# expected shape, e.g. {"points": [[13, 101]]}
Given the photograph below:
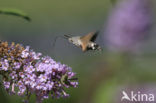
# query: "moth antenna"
{"points": [[67, 36]]}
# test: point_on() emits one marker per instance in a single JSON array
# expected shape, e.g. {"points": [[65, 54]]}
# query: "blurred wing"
{"points": [[90, 36], [87, 38], [84, 47], [94, 36]]}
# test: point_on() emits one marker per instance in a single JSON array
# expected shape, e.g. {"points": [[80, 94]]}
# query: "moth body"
{"points": [[75, 40], [93, 46], [86, 42]]}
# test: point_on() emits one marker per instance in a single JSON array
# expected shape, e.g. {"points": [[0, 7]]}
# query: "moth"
{"points": [[86, 42]]}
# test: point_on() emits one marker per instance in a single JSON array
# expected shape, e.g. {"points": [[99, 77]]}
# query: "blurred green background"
{"points": [[102, 75]]}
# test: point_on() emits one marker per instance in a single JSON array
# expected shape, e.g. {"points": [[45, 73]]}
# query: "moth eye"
{"points": [[71, 40]]}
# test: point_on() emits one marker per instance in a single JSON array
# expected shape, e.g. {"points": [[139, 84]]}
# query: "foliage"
{"points": [[15, 12]]}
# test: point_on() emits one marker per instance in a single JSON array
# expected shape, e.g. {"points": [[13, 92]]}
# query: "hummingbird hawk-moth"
{"points": [[86, 42]]}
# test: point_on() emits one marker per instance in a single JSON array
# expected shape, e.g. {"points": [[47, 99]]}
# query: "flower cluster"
{"points": [[129, 23], [31, 73]]}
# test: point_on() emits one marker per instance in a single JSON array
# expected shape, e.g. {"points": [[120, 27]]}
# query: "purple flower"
{"points": [[128, 24], [32, 73], [21, 90], [42, 78], [71, 74], [5, 65], [49, 85], [17, 65], [29, 68], [13, 75], [35, 56], [21, 74], [6, 84], [25, 53], [21, 87]]}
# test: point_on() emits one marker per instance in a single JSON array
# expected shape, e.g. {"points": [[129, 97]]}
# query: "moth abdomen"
{"points": [[94, 46]]}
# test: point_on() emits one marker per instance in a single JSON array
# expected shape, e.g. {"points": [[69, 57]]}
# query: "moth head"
{"points": [[70, 40], [75, 40]]}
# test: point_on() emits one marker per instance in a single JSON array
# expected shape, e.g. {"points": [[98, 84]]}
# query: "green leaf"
{"points": [[15, 12]]}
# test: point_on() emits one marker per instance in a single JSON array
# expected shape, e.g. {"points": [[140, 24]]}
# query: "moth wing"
{"points": [[90, 36], [94, 36], [84, 47], [87, 38]]}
